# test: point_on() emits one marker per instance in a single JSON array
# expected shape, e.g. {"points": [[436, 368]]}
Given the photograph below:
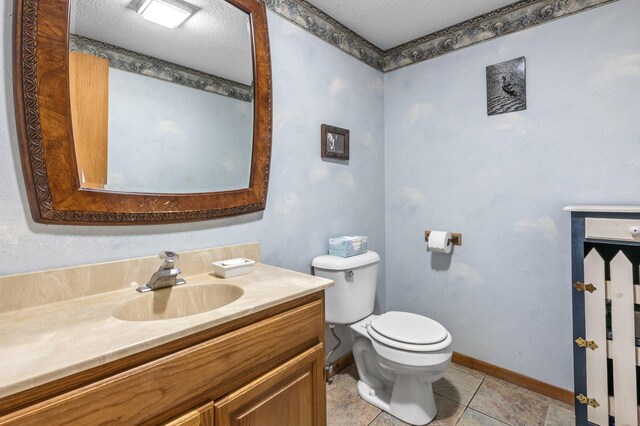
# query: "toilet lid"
{"points": [[409, 328]]}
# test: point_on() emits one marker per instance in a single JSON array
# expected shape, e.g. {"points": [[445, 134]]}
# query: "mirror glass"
{"points": [[161, 95]]}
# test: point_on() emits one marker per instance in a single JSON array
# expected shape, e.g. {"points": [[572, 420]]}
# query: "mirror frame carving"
{"points": [[43, 116]]}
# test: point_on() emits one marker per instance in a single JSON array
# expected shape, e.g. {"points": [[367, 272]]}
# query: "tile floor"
{"points": [[464, 397]]}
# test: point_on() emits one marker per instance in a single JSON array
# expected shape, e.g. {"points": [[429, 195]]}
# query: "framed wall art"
{"points": [[506, 87], [334, 142]]}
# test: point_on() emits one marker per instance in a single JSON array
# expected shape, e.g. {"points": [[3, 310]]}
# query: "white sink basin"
{"points": [[177, 302]]}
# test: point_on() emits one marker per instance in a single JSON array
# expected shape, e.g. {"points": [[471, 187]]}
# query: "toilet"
{"points": [[398, 354]]}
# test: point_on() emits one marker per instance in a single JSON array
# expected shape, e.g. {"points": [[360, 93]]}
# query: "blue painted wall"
{"points": [[309, 199], [156, 127], [424, 156], [502, 181]]}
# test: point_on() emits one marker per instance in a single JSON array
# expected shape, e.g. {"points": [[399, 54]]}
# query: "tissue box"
{"points": [[346, 246]]}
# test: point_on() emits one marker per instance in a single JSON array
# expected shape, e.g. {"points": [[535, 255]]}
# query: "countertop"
{"points": [[43, 343]]}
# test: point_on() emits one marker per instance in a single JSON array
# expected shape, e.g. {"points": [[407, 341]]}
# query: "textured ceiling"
{"points": [[388, 23], [214, 40]]}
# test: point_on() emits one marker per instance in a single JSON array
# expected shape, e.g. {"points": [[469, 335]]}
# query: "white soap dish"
{"points": [[233, 267]]}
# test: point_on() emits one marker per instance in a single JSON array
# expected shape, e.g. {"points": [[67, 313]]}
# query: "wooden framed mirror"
{"points": [[82, 121]]}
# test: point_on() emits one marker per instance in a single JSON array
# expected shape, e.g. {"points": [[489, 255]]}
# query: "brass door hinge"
{"points": [[586, 343], [580, 286], [588, 401]]}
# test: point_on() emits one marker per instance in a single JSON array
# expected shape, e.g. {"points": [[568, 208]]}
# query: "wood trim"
{"points": [[323, 335], [340, 364], [188, 378], [521, 380], [43, 118], [75, 381]]}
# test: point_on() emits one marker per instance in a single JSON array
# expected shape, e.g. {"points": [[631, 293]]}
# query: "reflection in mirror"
{"points": [[157, 109]]}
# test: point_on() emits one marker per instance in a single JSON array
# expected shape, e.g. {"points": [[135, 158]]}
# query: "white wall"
{"points": [[502, 181], [165, 137]]}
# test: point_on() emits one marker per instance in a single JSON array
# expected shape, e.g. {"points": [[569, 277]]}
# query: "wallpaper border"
{"points": [[512, 18], [128, 60]]}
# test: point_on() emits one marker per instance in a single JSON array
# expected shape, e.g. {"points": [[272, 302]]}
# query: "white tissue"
{"points": [[356, 242], [440, 242]]}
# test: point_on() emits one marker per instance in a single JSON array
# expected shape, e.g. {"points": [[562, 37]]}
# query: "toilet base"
{"points": [[411, 402], [378, 397], [401, 384]]}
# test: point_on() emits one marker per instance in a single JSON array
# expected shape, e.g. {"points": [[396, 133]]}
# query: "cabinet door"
{"points": [[202, 416], [89, 91], [292, 394]]}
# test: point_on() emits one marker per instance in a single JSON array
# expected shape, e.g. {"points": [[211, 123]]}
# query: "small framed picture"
{"points": [[334, 142], [506, 87]]}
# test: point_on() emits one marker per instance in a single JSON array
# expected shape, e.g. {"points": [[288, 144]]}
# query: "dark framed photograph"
{"points": [[506, 87], [334, 142]]}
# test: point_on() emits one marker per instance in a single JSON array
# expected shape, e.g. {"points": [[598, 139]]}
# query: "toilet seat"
{"points": [[410, 332], [409, 328]]}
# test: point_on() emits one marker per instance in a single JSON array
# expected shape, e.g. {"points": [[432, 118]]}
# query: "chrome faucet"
{"points": [[166, 276]]}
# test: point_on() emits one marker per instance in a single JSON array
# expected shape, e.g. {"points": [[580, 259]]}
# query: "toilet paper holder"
{"points": [[456, 238]]}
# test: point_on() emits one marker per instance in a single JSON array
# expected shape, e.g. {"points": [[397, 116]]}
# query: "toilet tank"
{"points": [[352, 296]]}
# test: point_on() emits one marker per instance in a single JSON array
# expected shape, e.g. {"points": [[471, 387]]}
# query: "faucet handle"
{"points": [[168, 259]]}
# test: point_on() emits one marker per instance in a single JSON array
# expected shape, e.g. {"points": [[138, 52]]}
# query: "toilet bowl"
{"points": [[397, 376], [398, 354]]}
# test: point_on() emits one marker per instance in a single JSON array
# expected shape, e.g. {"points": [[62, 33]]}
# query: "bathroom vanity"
{"points": [[258, 359]]}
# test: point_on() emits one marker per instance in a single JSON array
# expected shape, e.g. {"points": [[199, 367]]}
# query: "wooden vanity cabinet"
{"points": [[263, 369], [293, 393], [202, 416]]}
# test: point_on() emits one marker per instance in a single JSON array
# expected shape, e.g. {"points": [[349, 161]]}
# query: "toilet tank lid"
{"points": [[337, 263]]}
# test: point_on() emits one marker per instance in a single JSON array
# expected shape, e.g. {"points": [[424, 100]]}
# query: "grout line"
{"points": [[546, 413], [482, 412], [460, 418], [550, 400], [477, 390], [450, 399], [480, 374], [467, 407], [474, 393], [491, 417], [374, 419]]}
